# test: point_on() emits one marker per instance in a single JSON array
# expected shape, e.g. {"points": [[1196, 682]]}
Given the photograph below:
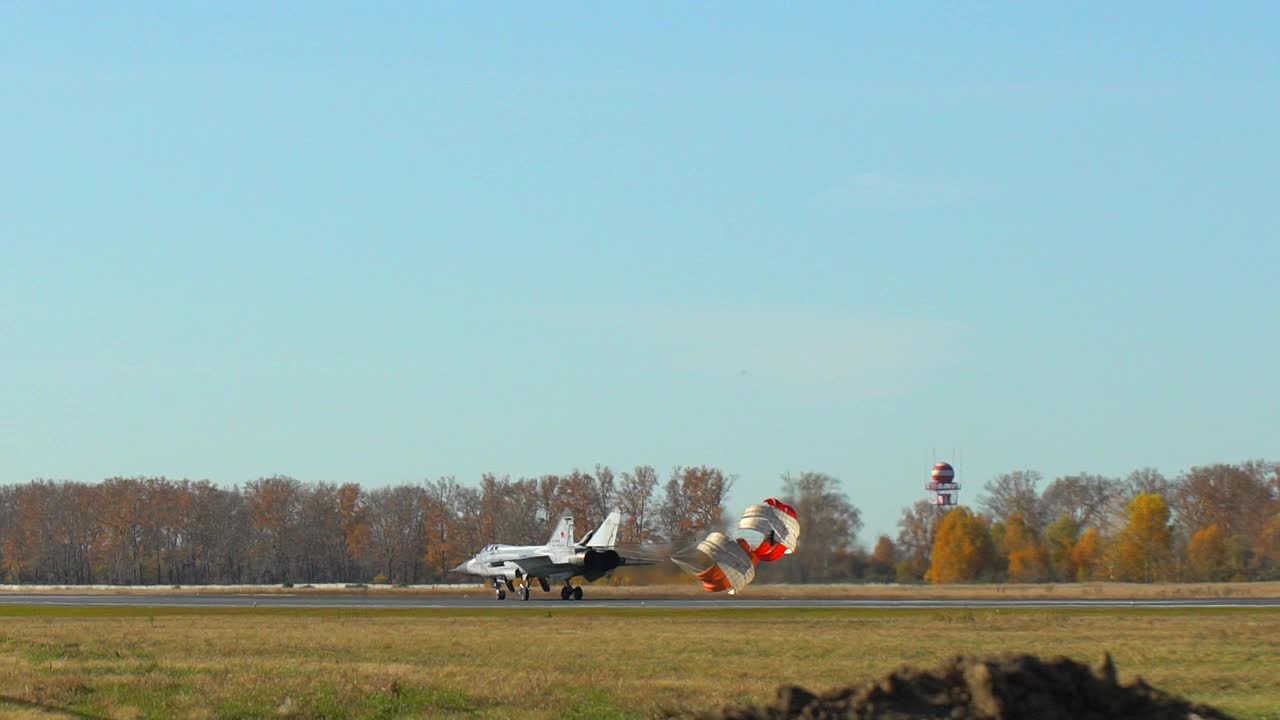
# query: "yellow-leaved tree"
{"points": [[1142, 550], [961, 548]]}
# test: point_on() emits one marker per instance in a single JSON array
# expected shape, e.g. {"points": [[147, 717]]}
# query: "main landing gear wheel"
{"points": [[565, 592], [577, 593]]}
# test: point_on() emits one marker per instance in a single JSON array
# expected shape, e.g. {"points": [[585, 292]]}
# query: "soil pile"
{"points": [[1015, 687]]}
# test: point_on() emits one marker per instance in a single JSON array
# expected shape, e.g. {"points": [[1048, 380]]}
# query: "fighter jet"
{"points": [[561, 559]]}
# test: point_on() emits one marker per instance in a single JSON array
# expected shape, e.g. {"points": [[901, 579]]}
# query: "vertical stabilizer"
{"points": [[563, 535], [607, 534]]}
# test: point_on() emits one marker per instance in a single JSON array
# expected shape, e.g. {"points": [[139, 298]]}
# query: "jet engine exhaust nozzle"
{"points": [[596, 563]]}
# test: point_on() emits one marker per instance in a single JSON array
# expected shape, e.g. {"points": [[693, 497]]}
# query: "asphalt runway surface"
{"points": [[359, 602]]}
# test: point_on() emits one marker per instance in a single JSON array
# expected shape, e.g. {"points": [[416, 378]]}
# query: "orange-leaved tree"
{"points": [[1207, 553], [884, 557], [1028, 560], [1266, 548], [961, 548], [1086, 555]]}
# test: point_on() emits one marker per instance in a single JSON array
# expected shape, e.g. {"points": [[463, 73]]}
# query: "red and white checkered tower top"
{"points": [[942, 483], [943, 473]]}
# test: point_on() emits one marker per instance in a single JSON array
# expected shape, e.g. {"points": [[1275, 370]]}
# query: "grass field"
{"points": [[573, 663]]}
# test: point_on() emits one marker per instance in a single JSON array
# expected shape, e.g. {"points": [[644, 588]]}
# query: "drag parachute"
{"points": [[724, 564]]}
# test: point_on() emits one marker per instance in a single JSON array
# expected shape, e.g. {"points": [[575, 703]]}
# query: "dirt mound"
{"points": [[1015, 687]]}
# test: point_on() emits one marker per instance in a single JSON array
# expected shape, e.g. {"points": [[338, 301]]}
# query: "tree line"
{"points": [[157, 530], [1211, 523], [1217, 522]]}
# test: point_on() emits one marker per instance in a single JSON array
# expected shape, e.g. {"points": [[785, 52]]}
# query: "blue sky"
{"points": [[382, 245]]}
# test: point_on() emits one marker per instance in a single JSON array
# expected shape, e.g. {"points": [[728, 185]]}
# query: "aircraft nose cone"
{"points": [[462, 567]]}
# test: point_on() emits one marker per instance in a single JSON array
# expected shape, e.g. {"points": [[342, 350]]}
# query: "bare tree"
{"points": [[1014, 492], [441, 512], [916, 529], [1236, 498], [635, 499], [396, 532], [830, 522], [673, 513], [606, 491], [1085, 499], [275, 504]]}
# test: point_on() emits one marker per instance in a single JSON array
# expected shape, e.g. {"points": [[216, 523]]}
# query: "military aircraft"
{"points": [[561, 559]]}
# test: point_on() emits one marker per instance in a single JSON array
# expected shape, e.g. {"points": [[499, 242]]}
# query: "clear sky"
{"points": [[378, 245]]}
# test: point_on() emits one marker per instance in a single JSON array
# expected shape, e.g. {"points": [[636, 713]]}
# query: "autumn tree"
{"points": [[1143, 548], [884, 559], [1266, 550], [961, 548], [1207, 554], [1087, 555], [353, 523], [1028, 559]]}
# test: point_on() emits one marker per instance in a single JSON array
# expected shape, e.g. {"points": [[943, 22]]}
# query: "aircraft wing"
{"points": [[537, 565]]}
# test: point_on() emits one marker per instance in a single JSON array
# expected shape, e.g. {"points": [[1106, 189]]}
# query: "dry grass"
{"points": [[575, 663], [625, 586]]}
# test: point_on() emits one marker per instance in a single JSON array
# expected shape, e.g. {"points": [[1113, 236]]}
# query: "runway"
{"points": [[359, 602]]}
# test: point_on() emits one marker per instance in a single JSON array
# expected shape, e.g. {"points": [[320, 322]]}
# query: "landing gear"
{"points": [[569, 592], [498, 590], [564, 592], [577, 593], [502, 593], [524, 591]]}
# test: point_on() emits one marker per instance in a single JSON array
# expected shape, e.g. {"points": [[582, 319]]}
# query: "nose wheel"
{"points": [[524, 591]]}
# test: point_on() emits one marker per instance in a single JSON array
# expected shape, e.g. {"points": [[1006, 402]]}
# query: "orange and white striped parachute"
{"points": [[724, 564]]}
